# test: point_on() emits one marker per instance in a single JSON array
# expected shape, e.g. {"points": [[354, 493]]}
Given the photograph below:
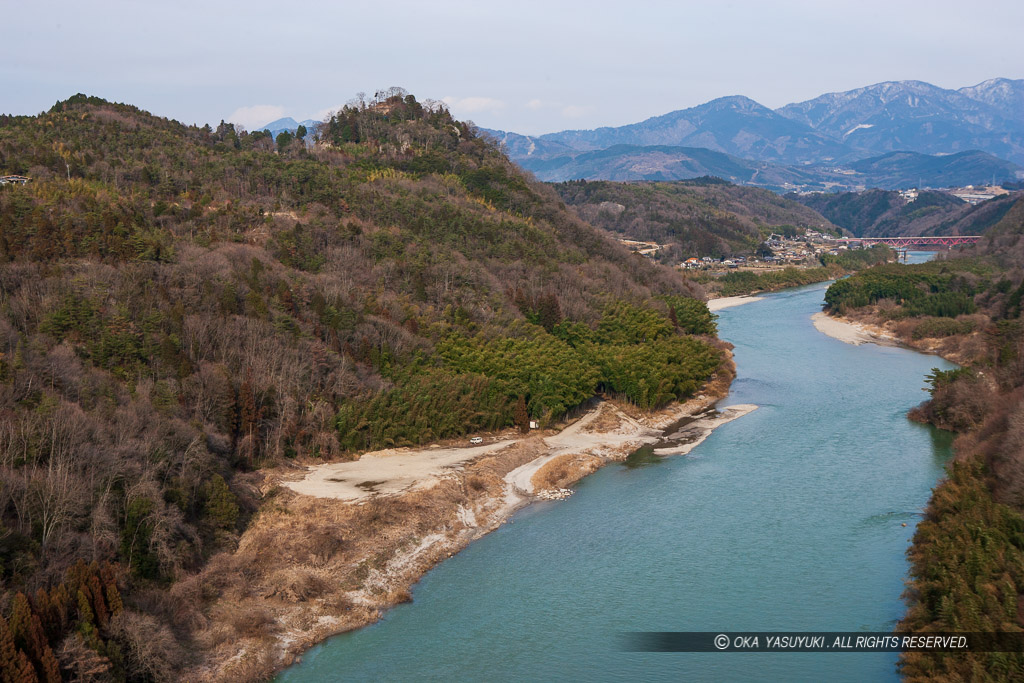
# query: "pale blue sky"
{"points": [[528, 66]]}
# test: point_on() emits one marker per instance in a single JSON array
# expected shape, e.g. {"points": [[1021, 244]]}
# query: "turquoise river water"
{"points": [[788, 519]]}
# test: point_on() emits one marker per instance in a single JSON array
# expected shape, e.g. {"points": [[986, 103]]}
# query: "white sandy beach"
{"points": [[849, 332], [580, 437], [385, 472], [730, 301], [603, 432]]}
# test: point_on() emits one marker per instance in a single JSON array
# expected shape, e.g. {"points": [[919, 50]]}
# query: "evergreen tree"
{"points": [[43, 606], [283, 140], [521, 302], [25, 672], [221, 505], [10, 656], [98, 603], [21, 621], [85, 615], [110, 588]]}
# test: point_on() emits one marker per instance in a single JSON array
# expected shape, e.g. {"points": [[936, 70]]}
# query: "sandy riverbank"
{"points": [[870, 328], [852, 332], [387, 472], [335, 545], [730, 301]]}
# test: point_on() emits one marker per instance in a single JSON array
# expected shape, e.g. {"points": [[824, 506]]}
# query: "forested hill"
{"points": [[180, 306], [702, 217], [967, 560], [885, 213]]}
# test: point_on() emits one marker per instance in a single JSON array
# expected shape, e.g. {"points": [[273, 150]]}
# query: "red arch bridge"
{"points": [[904, 242]]}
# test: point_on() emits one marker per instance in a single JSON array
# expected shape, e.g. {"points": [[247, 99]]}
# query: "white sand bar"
{"points": [[603, 432], [579, 437], [849, 332], [730, 301], [385, 472]]}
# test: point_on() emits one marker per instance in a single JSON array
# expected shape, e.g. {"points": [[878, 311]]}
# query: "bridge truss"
{"points": [[904, 242]]}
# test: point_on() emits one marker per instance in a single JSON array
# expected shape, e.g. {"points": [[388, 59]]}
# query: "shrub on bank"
{"points": [[941, 327]]}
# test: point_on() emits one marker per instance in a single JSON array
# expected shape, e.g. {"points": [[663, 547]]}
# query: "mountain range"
{"points": [[829, 133], [917, 116], [665, 163]]}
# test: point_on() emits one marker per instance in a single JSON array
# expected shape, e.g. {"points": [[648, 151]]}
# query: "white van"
{"points": [[476, 439]]}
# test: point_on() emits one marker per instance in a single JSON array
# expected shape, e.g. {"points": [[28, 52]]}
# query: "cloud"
{"points": [[256, 115], [472, 105], [535, 104]]}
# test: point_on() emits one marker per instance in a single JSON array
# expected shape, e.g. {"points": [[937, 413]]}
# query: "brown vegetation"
{"points": [[562, 471], [310, 567], [183, 308], [321, 566], [967, 559], [691, 218]]}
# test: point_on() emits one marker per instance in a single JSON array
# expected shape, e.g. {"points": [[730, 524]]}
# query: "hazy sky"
{"points": [[531, 67]]}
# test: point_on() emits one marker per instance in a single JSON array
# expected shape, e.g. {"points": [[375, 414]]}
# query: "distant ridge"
{"points": [[895, 170], [288, 124], [837, 130], [918, 116], [733, 125]]}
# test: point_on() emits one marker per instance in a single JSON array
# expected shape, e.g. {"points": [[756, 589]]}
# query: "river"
{"points": [[788, 519]]}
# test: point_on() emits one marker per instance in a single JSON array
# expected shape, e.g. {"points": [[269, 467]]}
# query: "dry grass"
{"points": [[296, 584], [564, 470], [607, 421], [311, 567], [962, 349], [308, 568]]}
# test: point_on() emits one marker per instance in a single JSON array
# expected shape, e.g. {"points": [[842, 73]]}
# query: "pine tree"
{"points": [[284, 139], [220, 503]]}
